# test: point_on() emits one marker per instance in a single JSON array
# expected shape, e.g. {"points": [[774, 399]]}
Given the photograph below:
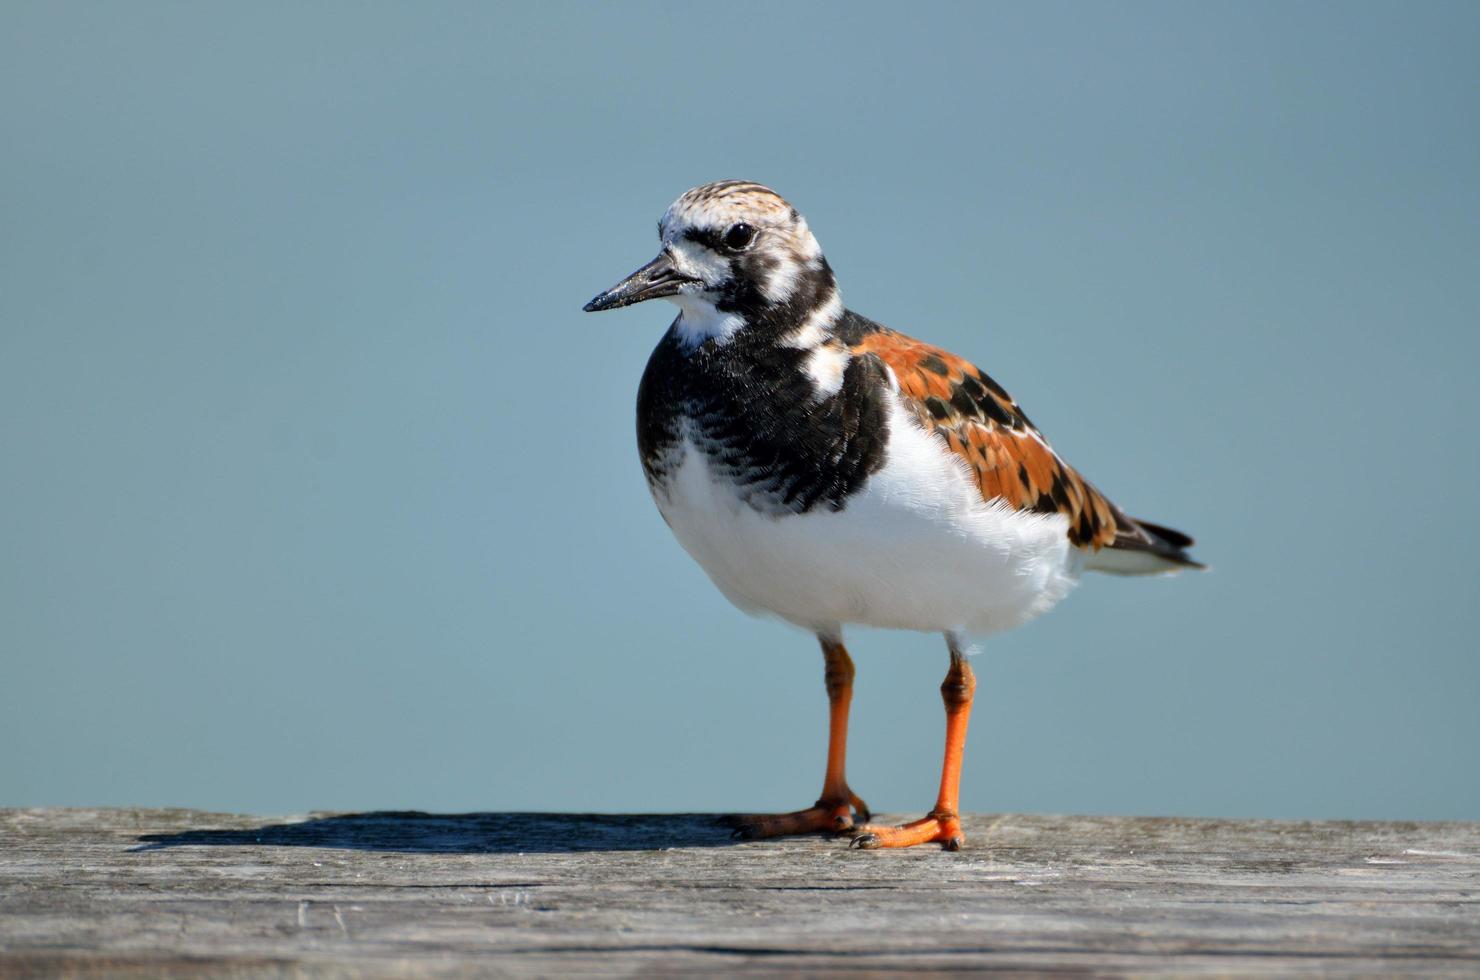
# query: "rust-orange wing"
{"points": [[1007, 455]]}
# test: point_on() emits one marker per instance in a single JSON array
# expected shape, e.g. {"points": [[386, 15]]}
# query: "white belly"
{"points": [[916, 549]]}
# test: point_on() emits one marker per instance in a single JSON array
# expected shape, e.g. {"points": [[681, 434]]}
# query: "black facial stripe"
{"points": [[708, 237], [812, 288]]}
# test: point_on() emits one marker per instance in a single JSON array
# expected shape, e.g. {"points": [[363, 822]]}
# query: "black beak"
{"points": [[657, 278]]}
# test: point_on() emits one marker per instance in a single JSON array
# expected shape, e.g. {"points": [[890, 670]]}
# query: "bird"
{"points": [[831, 472]]}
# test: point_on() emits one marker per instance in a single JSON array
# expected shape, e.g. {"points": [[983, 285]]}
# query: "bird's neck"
{"points": [[804, 317]]}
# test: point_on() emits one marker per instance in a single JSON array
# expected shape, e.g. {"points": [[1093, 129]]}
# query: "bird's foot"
{"points": [[835, 815], [944, 828]]}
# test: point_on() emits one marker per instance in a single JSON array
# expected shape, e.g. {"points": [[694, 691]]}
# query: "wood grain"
{"points": [[164, 892]]}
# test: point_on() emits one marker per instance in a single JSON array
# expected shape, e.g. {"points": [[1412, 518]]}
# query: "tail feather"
{"points": [[1174, 538], [1144, 548]]}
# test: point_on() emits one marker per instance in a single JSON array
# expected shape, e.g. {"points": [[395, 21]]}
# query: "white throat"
{"points": [[698, 320]]}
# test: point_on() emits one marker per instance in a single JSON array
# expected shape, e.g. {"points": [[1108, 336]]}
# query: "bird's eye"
{"points": [[739, 236]]}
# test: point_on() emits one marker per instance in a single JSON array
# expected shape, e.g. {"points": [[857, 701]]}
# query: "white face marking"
{"points": [[781, 282], [695, 260], [698, 319]]}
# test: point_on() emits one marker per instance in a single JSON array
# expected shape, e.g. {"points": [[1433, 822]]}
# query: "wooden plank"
{"points": [[151, 892]]}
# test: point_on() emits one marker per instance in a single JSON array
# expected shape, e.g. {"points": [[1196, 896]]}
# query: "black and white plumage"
{"points": [[829, 471]]}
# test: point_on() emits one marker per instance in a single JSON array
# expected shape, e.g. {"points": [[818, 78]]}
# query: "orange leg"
{"points": [[943, 823], [834, 810]]}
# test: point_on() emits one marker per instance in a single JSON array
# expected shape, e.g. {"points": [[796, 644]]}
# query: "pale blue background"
{"points": [[320, 491]]}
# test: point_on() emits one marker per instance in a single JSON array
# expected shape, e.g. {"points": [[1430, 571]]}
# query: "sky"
{"points": [[320, 492]]}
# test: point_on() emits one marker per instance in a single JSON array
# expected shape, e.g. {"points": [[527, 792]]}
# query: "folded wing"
{"points": [[1010, 459]]}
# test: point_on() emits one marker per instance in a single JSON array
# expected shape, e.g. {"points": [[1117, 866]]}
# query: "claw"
{"points": [[865, 842], [941, 829]]}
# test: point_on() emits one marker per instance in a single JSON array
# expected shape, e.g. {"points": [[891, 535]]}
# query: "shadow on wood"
{"points": [[413, 832], [144, 893]]}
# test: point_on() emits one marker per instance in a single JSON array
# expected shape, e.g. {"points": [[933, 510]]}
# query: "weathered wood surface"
{"points": [[149, 892]]}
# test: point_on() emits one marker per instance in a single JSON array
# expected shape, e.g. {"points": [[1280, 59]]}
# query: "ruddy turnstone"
{"points": [[830, 471]]}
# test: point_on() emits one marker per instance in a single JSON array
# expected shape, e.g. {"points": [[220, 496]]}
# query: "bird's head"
{"points": [[734, 255]]}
